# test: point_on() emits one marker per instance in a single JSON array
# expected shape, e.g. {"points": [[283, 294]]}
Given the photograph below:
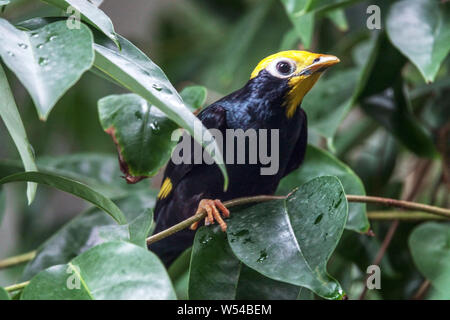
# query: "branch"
{"points": [[18, 286], [350, 198], [9, 262], [401, 204], [403, 215]]}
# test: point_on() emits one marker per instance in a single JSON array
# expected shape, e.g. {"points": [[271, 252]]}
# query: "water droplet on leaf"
{"points": [[262, 256], [43, 61], [22, 45]]}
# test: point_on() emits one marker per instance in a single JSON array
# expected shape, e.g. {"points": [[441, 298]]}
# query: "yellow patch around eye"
{"points": [[165, 189], [301, 58]]}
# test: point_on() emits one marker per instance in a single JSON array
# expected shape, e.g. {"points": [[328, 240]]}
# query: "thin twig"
{"points": [[18, 286], [13, 261], [351, 198], [401, 204], [423, 289], [403, 215]]}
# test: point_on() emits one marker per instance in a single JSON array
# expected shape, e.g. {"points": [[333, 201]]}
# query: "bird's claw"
{"points": [[212, 207]]}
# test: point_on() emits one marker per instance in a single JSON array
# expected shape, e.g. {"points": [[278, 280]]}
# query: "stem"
{"points": [[401, 204], [402, 215], [17, 286], [9, 262]]}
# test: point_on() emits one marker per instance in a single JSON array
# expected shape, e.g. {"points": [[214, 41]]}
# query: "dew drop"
{"points": [[43, 61], [155, 127], [52, 37], [22, 45], [40, 46], [205, 239], [35, 35], [10, 53], [138, 115], [319, 218], [156, 87], [262, 256]]}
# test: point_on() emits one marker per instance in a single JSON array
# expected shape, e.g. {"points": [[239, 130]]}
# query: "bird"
{"points": [[271, 99]]}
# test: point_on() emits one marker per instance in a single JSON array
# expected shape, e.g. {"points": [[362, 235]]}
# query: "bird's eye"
{"points": [[284, 68], [316, 60]]}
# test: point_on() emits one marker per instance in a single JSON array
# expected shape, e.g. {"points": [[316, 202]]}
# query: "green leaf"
{"points": [[303, 23], [13, 122], [99, 171], [320, 162], [216, 273], [393, 111], [110, 271], [329, 102], [136, 72], [4, 295], [89, 13], [179, 274], [88, 229], [48, 61], [194, 97], [304, 230], [141, 132], [73, 187], [430, 248], [325, 5], [338, 18], [420, 29]]}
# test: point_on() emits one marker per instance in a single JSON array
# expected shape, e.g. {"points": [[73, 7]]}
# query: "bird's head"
{"points": [[294, 72]]}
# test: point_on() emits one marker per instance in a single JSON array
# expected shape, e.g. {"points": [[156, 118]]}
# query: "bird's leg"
{"points": [[212, 207]]}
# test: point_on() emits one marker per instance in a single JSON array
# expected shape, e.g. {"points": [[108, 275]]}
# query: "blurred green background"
{"points": [[217, 44]]}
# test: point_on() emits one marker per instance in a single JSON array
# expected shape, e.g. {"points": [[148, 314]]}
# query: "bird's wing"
{"points": [[298, 154], [214, 116]]}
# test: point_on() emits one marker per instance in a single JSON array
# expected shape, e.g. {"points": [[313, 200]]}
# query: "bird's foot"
{"points": [[212, 207]]}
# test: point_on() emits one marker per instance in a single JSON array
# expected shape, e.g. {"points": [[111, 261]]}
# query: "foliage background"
{"points": [[398, 146]]}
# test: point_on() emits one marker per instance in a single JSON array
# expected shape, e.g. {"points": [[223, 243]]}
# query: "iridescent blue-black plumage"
{"points": [[260, 104]]}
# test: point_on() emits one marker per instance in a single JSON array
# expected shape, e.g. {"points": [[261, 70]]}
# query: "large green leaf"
{"points": [[48, 61], [91, 228], [142, 134], [13, 122], [99, 171], [194, 97], [319, 162], [73, 187], [303, 23], [430, 248], [135, 71], [420, 29], [109, 271], [291, 240], [89, 13], [4, 294], [216, 273], [393, 111]]}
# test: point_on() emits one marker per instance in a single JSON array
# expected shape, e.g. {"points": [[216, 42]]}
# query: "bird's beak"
{"points": [[321, 63]]}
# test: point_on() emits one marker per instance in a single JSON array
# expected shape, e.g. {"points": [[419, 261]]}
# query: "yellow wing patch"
{"points": [[165, 189]]}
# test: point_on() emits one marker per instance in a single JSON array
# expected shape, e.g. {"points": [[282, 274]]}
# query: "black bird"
{"points": [[269, 100]]}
